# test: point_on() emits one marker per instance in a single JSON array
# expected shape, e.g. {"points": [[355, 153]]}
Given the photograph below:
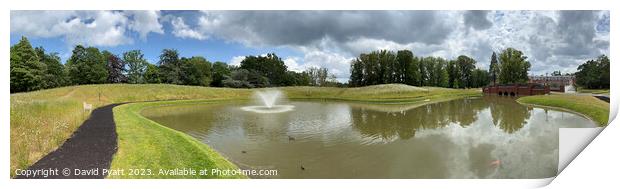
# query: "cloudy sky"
{"points": [[553, 40]]}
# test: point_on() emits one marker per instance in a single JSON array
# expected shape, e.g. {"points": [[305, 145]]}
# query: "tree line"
{"points": [[383, 66], [594, 74], [34, 69]]}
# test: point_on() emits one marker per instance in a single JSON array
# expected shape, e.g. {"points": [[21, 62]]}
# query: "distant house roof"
{"points": [[562, 77]]}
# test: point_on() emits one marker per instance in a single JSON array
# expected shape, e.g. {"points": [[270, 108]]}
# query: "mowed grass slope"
{"points": [[145, 144], [594, 91], [589, 106], [42, 120], [388, 93]]}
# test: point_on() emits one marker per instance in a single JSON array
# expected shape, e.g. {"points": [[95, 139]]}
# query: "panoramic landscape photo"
{"points": [[302, 94]]}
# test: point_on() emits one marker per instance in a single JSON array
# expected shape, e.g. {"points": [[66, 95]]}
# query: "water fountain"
{"points": [[269, 100]]}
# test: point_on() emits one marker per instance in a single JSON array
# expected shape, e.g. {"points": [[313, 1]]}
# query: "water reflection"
{"points": [[485, 137], [371, 120], [508, 115], [481, 160]]}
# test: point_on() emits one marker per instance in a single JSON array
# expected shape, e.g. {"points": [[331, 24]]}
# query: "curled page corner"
{"points": [[572, 142], [539, 183]]}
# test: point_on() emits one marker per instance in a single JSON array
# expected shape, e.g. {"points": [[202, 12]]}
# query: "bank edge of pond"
{"points": [[581, 105], [145, 144], [421, 100]]}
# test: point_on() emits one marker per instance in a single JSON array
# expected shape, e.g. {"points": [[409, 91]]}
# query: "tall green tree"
{"points": [[480, 78], [357, 73], [605, 79], [403, 61], [299, 78], [27, 72], [387, 66], [219, 73], [270, 66], [196, 71], [369, 65], [87, 66], [406, 59], [54, 73], [594, 74], [170, 66], [136, 66], [494, 70], [424, 71], [465, 66], [151, 75], [454, 74], [379, 67], [441, 73], [514, 67], [429, 68]]}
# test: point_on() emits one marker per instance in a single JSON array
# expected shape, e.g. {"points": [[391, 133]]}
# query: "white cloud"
{"points": [[364, 45], [236, 60], [182, 30], [293, 64], [97, 28], [145, 22], [337, 64]]}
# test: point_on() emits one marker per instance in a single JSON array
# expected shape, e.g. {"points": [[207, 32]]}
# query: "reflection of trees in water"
{"points": [[383, 124], [509, 115], [182, 117], [464, 112], [404, 125]]}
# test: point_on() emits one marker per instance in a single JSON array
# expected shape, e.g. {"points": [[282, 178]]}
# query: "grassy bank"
{"points": [[594, 91], [147, 145], [589, 106], [42, 120], [389, 93]]}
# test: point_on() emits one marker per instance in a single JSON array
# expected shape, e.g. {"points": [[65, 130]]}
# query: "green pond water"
{"points": [[487, 137]]}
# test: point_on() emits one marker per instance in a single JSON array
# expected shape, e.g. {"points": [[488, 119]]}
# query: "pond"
{"points": [[486, 137]]}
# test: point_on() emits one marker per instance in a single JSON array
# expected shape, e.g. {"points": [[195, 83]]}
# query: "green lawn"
{"points": [[388, 93], [42, 120], [146, 144], [589, 106], [593, 91]]}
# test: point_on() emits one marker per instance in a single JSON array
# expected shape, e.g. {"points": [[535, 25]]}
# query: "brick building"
{"points": [[556, 83]]}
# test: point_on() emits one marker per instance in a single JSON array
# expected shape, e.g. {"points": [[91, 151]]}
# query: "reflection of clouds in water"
{"points": [[479, 158], [531, 152], [328, 123]]}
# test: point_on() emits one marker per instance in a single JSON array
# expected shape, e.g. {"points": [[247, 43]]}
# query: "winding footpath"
{"points": [[89, 148]]}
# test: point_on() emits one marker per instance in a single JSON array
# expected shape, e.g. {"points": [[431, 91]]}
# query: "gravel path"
{"points": [[90, 148]]}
